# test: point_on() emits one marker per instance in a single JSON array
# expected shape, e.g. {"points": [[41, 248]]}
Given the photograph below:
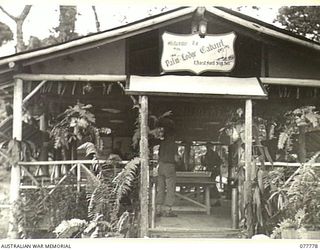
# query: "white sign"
{"points": [[196, 54]]}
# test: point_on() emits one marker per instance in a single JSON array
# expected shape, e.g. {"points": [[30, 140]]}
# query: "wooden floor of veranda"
{"points": [[197, 224], [220, 217]]}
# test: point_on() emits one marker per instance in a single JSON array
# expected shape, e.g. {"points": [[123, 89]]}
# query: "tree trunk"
{"points": [[144, 155], [20, 43], [96, 18], [19, 22]]}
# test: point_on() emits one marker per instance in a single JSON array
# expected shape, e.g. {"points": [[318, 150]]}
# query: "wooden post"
{"points": [[248, 138], [186, 156], [235, 208], [248, 161], [15, 170], [44, 170], [78, 177], [153, 208], [230, 166], [207, 199], [144, 155]]}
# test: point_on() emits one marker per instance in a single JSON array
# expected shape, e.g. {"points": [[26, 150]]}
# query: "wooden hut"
{"points": [[198, 62]]}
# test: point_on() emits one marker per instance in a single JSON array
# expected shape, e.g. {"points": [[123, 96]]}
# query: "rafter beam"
{"points": [[34, 91], [291, 82], [63, 77]]}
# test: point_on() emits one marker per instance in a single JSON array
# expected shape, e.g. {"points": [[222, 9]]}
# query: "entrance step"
{"points": [[161, 232]]}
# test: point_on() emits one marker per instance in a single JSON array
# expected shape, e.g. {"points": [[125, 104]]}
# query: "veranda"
{"points": [[128, 58]]}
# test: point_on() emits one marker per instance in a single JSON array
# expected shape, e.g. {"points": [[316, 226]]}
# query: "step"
{"points": [[162, 232]]}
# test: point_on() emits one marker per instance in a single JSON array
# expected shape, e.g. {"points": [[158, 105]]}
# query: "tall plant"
{"points": [[75, 124], [252, 199]]}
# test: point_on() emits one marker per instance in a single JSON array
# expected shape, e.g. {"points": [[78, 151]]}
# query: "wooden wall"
{"points": [[106, 59], [290, 63]]}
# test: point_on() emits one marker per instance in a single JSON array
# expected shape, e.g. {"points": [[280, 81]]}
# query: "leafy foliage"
{"points": [[65, 31], [37, 210], [68, 229], [5, 33], [302, 20], [284, 224], [106, 196], [13, 151], [153, 125], [297, 197], [105, 193], [75, 124], [67, 20], [19, 20], [262, 211], [124, 179], [306, 116]]}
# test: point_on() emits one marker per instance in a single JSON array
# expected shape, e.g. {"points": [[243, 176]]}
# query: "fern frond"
{"points": [[124, 179], [123, 222], [102, 201], [96, 201]]}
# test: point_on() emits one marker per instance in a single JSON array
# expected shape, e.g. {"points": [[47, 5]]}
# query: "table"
{"points": [[197, 180], [189, 179]]}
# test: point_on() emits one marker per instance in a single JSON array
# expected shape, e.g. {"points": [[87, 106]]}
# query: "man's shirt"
{"points": [[167, 151]]}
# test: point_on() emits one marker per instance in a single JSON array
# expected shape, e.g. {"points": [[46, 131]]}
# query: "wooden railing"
{"points": [[58, 172], [287, 164]]}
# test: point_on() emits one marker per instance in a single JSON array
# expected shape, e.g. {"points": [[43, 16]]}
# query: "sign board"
{"points": [[196, 54]]}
